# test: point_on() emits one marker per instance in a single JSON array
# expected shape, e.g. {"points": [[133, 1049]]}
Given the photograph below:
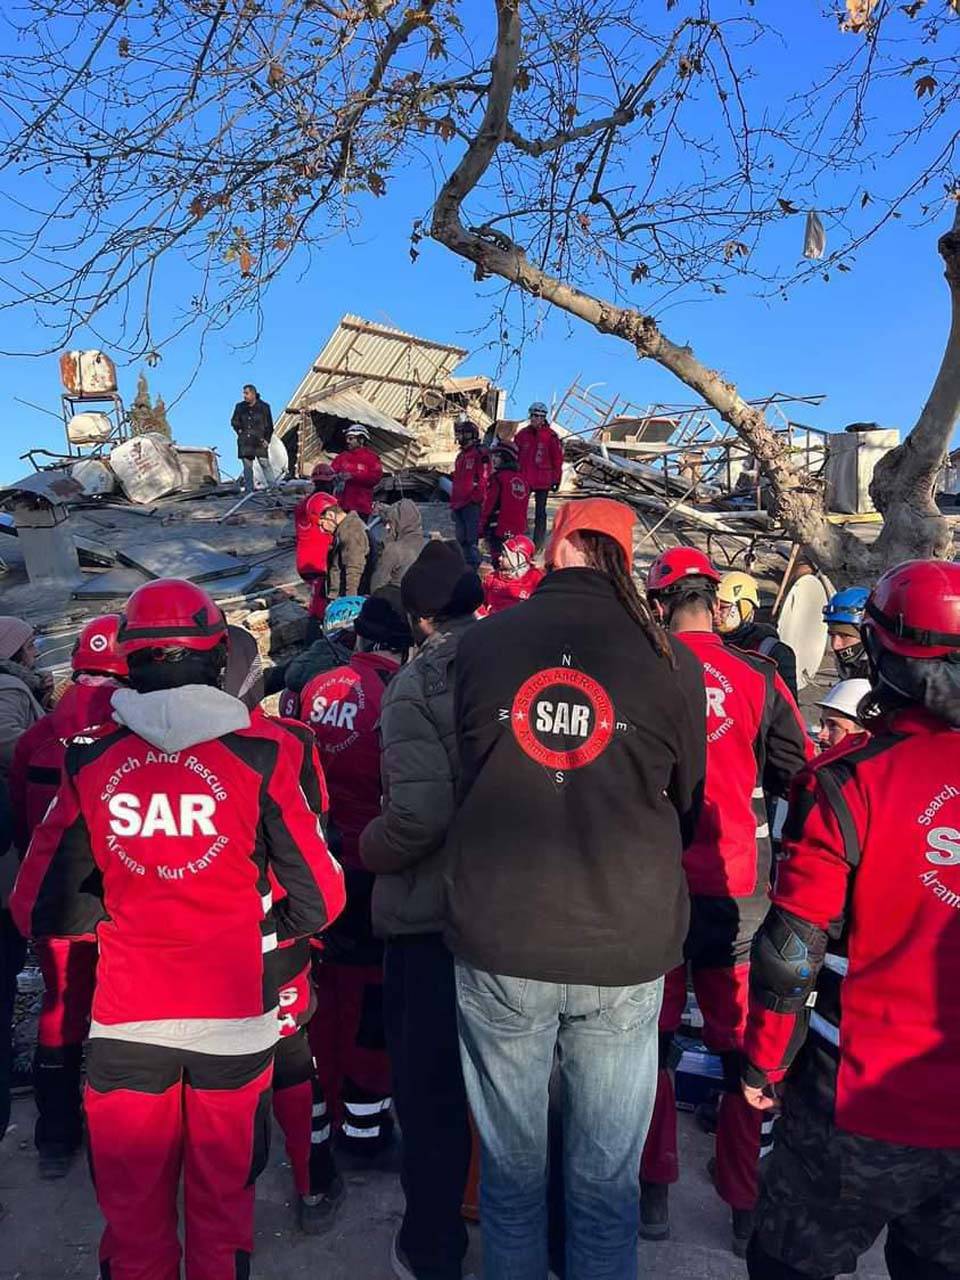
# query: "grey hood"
{"points": [[402, 520], [173, 719]]}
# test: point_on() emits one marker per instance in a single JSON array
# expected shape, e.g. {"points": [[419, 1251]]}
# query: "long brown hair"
{"points": [[606, 555]]}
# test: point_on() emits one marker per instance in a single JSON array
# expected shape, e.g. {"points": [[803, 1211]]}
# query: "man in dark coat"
{"points": [[253, 423]]}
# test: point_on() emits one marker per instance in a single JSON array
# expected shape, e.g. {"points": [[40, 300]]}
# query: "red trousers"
{"points": [[298, 1101], [154, 1114], [349, 1045], [69, 967], [722, 997]]}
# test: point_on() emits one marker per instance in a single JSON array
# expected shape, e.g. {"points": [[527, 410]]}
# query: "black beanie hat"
{"points": [[439, 584], [382, 620]]}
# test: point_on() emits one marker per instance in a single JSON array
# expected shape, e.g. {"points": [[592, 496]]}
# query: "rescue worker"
{"points": [[348, 568], [342, 708], [471, 476], [358, 470], [163, 839], [405, 847], [253, 423], [855, 971], [68, 965], [333, 649], [323, 478], [840, 712], [313, 542], [516, 580], [739, 598], [580, 731], [756, 741], [504, 511], [402, 543], [843, 614], [541, 464]]}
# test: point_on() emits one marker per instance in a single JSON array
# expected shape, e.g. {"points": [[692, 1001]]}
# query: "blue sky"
{"points": [[871, 340]]}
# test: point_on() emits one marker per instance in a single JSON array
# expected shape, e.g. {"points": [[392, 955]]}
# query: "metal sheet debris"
{"points": [[179, 557]]}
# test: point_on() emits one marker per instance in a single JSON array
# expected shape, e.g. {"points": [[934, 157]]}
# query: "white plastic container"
{"points": [[88, 373], [89, 428], [147, 467]]}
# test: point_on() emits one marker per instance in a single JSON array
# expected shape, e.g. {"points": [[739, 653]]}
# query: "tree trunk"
{"points": [[904, 483], [799, 506]]}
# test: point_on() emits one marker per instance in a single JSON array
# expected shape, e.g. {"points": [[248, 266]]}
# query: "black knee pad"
{"points": [[903, 1264]]}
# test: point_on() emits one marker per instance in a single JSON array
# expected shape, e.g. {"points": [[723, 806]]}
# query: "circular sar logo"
{"points": [[562, 718]]}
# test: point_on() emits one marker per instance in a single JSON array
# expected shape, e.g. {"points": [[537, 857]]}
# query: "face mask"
{"points": [[852, 663]]}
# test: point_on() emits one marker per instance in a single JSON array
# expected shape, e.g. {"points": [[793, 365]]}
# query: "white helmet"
{"points": [[357, 429], [845, 698]]}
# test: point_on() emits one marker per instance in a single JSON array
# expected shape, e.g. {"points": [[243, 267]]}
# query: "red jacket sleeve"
{"points": [[556, 456], [17, 783], [59, 891], [787, 744], [490, 501], [294, 801], [809, 899]]}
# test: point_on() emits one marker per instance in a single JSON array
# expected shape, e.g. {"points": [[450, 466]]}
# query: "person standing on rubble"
{"points": [[342, 709], [756, 743], [504, 511], [855, 972], [402, 542], [405, 847], [253, 423], [541, 464], [358, 470], [313, 543], [163, 838], [471, 477], [738, 596], [68, 965], [350, 552], [580, 730]]}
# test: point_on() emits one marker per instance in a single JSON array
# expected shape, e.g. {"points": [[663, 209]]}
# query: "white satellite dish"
{"points": [[802, 627], [269, 471]]}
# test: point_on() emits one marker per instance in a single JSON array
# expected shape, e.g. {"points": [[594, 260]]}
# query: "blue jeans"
{"points": [[466, 525], [247, 482], [604, 1040]]}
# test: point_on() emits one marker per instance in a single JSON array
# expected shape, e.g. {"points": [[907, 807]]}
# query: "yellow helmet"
{"points": [[739, 597]]}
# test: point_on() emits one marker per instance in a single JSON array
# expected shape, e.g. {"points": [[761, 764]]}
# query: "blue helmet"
{"points": [[341, 614], [846, 607]]}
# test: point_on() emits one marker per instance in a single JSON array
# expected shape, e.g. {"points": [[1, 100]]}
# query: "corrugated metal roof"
{"points": [[354, 408], [394, 368]]}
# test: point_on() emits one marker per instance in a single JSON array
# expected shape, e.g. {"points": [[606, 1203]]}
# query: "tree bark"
{"points": [[800, 507], [904, 484]]}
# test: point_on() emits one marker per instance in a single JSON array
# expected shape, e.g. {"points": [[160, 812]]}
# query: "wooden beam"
{"points": [[364, 326], [337, 372]]}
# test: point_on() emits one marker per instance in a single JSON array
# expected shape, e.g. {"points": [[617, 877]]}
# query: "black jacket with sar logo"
{"points": [[583, 754]]}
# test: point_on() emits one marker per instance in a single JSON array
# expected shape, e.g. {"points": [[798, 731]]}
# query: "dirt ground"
{"points": [[49, 1230]]}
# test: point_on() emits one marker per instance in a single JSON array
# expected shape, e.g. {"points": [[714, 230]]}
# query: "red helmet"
{"points": [[170, 614], [97, 648], [323, 473], [914, 610], [518, 553], [672, 567], [318, 503]]}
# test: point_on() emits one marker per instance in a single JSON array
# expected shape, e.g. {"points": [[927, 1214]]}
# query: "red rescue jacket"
{"points": [[872, 846], [541, 456], [312, 543], [504, 510], [342, 707], [362, 471], [167, 853], [755, 740], [500, 592], [471, 475], [38, 757]]}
